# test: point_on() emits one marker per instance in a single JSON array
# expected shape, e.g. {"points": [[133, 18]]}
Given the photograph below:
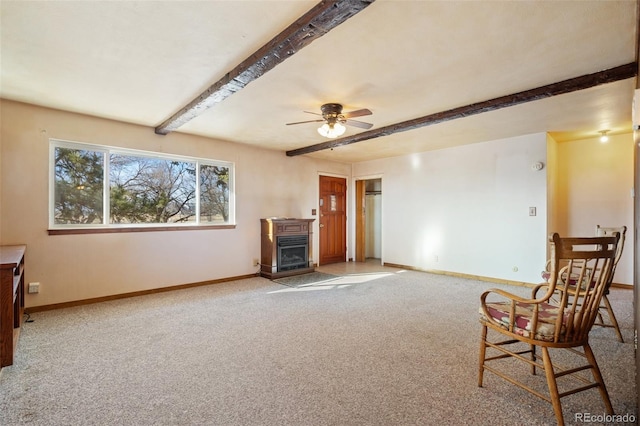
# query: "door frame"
{"points": [[360, 216], [636, 211], [360, 220]]}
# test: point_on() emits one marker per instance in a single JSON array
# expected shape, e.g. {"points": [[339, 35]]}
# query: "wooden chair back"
{"points": [[581, 271], [602, 231]]}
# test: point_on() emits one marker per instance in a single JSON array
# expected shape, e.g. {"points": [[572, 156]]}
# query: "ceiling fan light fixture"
{"points": [[332, 131], [604, 138], [335, 121]]}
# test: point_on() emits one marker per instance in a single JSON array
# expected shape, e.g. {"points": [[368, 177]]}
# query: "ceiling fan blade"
{"points": [[309, 112], [308, 121], [356, 123], [357, 113]]}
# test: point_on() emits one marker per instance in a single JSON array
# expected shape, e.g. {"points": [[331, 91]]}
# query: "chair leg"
{"points": [[612, 317], [597, 376], [533, 359], [553, 386], [483, 350]]}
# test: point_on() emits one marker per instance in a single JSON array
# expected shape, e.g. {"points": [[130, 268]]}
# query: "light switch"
{"points": [[532, 211]]}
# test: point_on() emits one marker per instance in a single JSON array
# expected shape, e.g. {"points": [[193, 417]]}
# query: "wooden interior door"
{"points": [[333, 220]]}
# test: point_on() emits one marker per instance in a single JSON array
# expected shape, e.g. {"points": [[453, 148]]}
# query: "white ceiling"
{"points": [[141, 61]]}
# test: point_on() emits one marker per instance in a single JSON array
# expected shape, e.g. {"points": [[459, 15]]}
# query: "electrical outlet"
{"points": [[34, 288], [256, 262]]}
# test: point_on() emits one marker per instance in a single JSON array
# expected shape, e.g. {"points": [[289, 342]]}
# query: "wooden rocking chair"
{"points": [[606, 306], [561, 318], [608, 319]]}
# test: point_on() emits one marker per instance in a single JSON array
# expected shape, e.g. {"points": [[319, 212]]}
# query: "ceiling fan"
{"points": [[334, 120]]}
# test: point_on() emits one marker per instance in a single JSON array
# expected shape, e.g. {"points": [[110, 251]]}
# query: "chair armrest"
{"points": [[506, 295], [537, 288], [534, 305], [512, 300]]}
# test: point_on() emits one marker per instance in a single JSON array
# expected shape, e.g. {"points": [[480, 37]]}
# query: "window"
{"points": [[104, 187]]}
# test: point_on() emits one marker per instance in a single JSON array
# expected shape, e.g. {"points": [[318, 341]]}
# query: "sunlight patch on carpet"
{"points": [[306, 279]]}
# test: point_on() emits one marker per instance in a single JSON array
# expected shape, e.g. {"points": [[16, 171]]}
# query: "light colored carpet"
{"points": [[311, 278], [385, 348]]}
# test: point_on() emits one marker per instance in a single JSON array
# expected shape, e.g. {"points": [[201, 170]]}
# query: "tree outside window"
{"points": [[79, 183], [214, 193], [141, 189], [149, 190]]}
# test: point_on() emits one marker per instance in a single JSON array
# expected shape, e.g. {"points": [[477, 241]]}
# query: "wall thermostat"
{"points": [[537, 166]]}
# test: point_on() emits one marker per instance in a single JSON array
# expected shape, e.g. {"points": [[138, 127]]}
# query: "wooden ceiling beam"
{"points": [[318, 21], [611, 75]]}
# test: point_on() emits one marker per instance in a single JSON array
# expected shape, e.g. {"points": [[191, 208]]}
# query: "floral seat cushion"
{"points": [[547, 317], [573, 279]]}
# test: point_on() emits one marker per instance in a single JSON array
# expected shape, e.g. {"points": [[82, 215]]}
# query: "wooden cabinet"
{"points": [[11, 300], [286, 247]]}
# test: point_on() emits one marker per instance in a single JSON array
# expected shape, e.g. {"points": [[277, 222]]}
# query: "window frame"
{"points": [[106, 226]]}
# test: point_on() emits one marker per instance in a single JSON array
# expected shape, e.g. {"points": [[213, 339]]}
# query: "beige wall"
{"points": [[440, 209], [466, 209], [77, 267], [594, 187]]}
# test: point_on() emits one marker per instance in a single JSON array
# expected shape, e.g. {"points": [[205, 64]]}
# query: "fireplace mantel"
{"points": [[286, 229]]}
